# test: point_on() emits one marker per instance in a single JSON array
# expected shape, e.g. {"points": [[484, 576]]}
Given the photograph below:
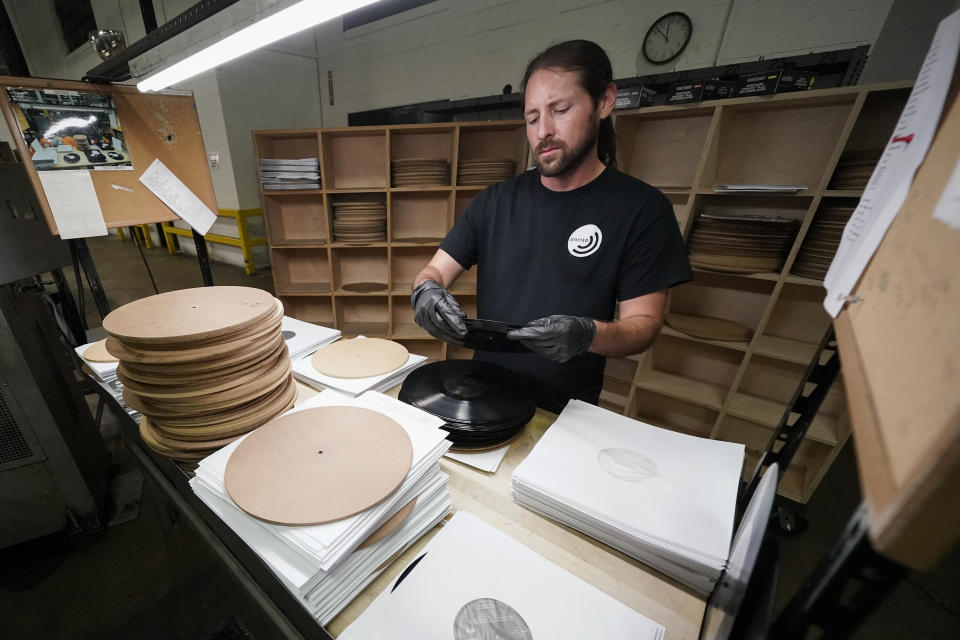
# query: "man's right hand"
{"points": [[437, 312]]}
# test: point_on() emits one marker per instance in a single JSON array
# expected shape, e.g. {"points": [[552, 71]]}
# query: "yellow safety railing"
{"points": [[244, 241]]}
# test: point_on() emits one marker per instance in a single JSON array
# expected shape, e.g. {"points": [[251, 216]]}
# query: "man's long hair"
{"points": [[594, 72]]}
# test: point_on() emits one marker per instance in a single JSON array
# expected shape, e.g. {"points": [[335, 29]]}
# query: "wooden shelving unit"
{"points": [[737, 391], [734, 391]]}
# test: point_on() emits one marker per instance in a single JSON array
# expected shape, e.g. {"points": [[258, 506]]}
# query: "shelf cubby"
{"points": [[292, 144], [402, 324], [355, 159], [419, 215], [363, 315], [615, 394], [695, 373], [787, 142], [355, 265], [494, 142], [798, 317], [670, 413], [715, 295], [405, 264], [301, 271], [435, 142], [663, 148], [295, 219], [315, 309], [456, 352]]}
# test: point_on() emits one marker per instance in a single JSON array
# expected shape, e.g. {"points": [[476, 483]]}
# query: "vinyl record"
{"points": [[489, 335], [483, 404]]}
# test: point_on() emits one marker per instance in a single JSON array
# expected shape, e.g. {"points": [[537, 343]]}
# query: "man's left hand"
{"points": [[558, 338]]}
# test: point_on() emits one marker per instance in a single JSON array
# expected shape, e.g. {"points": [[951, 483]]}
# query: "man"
{"points": [[557, 247]]}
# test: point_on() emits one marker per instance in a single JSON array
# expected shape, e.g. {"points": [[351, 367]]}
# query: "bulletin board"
{"points": [[900, 350], [160, 126]]}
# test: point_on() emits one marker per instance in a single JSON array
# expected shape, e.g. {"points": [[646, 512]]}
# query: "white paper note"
{"points": [[948, 207], [73, 203], [166, 186], [891, 180]]}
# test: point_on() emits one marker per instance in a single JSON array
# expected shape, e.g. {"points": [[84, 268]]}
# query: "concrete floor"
{"points": [[153, 577]]}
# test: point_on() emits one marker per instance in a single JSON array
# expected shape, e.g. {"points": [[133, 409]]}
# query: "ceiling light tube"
{"points": [[286, 22]]}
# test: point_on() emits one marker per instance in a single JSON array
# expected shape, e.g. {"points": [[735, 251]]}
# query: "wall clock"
{"points": [[667, 37]]}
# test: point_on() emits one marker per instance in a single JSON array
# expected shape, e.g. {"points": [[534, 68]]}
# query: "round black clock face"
{"points": [[667, 38]]}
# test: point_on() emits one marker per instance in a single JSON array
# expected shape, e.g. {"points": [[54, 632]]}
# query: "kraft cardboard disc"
{"points": [[359, 358], [318, 465], [190, 314], [213, 365], [708, 328], [97, 352]]}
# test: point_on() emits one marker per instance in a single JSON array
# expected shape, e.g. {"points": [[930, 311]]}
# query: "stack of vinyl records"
{"points": [[356, 366], [662, 497], [473, 581], [821, 242], [409, 172], [203, 366], [101, 366], [740, 243], [359, 221], [483, 405], [330, 492], [855, 168], [484, 172], [281, 173]]}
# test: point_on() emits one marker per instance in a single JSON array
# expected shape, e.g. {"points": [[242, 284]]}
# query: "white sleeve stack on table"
{"points": [[304, 371], [289, 173], [303, 338], [473, 581], [320, 564], [664, 498], [105, 375]]}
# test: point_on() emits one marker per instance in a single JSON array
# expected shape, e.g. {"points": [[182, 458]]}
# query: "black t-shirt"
{"points": [[540, 252]]}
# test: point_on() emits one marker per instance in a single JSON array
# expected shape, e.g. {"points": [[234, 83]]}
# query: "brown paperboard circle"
{"points": [[190, 314], [97, 352], [318, 465], [359, 358]]}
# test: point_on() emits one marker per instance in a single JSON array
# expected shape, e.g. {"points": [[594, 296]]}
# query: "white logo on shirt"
{"points": [[584, 241]]}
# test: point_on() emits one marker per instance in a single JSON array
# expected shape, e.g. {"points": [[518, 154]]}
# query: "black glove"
{"points": [[558, 338], [437, 312]]}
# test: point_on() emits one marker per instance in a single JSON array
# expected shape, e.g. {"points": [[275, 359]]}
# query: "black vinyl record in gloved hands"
{"points": [[558, 338], [437, 312]]}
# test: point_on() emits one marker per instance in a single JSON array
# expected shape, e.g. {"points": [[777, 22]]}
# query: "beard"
{"points": [[570, 158]]}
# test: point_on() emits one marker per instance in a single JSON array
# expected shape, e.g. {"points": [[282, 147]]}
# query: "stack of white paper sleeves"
{"points": [[101, 366], [664, 498], [473, 582], [289, 173], [357, 366], [326, 565], [303, 337], [203, 366]]}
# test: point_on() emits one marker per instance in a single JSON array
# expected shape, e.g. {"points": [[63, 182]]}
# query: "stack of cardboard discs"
{"points": [[203, 366], [855, 168], [359, 221], [408, 172], [821, 242], [740, 243], [484, 172]]}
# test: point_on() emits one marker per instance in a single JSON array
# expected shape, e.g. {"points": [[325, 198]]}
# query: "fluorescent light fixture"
{"points": [[66, 123], [286, 22]]}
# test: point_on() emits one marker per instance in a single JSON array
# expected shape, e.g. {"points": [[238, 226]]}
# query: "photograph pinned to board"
{"points": [[66, 129]]}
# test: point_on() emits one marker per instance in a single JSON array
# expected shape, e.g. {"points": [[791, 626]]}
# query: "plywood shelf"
{"points": [[768, 413], [724, 344], [843, 193], [305, 289], [703, 394], [291, 192], [785, 349]]}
